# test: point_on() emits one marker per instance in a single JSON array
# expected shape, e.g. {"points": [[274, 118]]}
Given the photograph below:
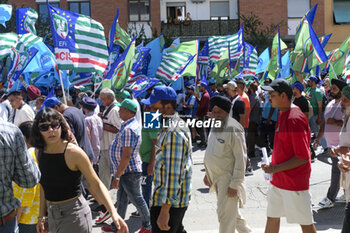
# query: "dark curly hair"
{"points": [[44, 115]]}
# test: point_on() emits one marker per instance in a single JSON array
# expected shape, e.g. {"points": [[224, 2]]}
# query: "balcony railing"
{"points": [[200, 28]]}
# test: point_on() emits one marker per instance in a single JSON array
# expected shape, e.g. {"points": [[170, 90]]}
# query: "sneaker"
{"points": [[135, 214], [326, 203], [109, 228], [341, 199], [103, 217], [144, 230]]}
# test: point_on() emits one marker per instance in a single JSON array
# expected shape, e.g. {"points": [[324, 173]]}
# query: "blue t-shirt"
{"points": [[266, 110], [191, 101]]}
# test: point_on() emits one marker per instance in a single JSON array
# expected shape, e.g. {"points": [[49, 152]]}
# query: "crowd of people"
{"points": [[57, 151]]}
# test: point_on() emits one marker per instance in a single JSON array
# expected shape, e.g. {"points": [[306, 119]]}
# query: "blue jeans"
{"points": [[146, 184], [315, 129], [130, 188], [9, 227]]}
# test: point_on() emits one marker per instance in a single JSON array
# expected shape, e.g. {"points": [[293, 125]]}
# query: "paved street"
{"points": [[201, 214]]}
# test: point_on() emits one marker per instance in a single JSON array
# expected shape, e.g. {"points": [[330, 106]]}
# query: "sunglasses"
{"points": [[54, 125]]}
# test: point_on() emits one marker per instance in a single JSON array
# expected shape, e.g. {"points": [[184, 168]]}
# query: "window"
{"points": [[341, 10], [43, 11], [219, 10], [296, 11], [139, 10], [176, 10], [80, 7]]}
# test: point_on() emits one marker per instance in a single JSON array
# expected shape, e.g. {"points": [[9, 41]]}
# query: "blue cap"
{"points": [[299, 86], [203, 84], [212, 81], [88, 103], [313, 78], [191, 87], [50, 102], [160, 93]]}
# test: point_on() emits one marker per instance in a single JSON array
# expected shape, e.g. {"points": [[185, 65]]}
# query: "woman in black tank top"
{"points": [[62, 165]]}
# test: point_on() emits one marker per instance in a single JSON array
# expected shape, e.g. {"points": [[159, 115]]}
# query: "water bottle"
{"points": [[265, 160]]}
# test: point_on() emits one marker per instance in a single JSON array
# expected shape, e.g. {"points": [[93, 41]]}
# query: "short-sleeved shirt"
{"points": [[245, 99], [203, 104], [191, 101], [266, 110], [331, 132], [129, 135], [23, 114], [29, 198], [147, 145], [314, 95], [292, 139], [76, 120], [237, 108], [344, 134], [302, 103]]}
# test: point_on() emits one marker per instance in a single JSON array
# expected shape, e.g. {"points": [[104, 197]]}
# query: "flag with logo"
{"points": [[5, 13], [7, 41], [25, 41], [250, 60], [26, 19], [121, 73], [141, 55], [24, 59], [275, 64], [142, 85], [81, 79], [79, 41], [171, 62], [182, 68], [118, 35], [339, 58]]}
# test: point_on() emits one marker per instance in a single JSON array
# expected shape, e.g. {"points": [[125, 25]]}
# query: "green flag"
{"points": [[338, 59], [272, 68], [190, 47]]}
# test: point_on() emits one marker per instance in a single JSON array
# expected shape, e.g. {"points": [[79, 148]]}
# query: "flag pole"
{"points": [[335, 75], [64, 93]]}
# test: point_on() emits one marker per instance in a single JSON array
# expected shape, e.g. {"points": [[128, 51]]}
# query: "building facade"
{"points": [[332, 15]]}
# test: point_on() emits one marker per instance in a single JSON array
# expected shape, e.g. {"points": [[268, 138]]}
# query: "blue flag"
{"points": [[263, 61], [140, 56], [156, 56], [26, 19], [51, 94], [24, 60], [5, 13], [41, 61], [142, 85], [286, 62]]}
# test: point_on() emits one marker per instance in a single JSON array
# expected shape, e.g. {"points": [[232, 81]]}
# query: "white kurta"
{"points": [[225, 161]]}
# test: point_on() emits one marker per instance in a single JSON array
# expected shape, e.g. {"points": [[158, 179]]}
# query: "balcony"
{"points": [[200, 29]]}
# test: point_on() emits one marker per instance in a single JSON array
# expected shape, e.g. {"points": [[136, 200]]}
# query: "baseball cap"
{"points": [[50, 102], [129, 104], [160, 93], [212, 81], [232, 85], [203, 84], [191, 87], [313, 78], [279, 85], [124, 95], [298, 85]]}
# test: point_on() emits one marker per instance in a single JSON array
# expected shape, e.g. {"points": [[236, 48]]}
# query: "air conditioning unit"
{"points": [[198, 1]]}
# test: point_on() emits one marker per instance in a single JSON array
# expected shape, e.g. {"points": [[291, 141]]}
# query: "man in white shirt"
{"points": [[22, 111], [225, 162]]}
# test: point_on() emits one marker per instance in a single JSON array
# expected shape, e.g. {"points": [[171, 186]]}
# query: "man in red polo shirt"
{"points": [[202, 112], [291, 163]]}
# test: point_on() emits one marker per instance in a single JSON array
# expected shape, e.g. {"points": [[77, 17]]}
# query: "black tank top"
{"points": [[58, 181]]}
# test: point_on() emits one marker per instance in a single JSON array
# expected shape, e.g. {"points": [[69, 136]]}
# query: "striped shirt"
{"points": [[16, 165], [173, 166], [129, 135]]}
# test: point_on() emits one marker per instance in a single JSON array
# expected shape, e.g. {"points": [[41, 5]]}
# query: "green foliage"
{"points": [[257, 33]]}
